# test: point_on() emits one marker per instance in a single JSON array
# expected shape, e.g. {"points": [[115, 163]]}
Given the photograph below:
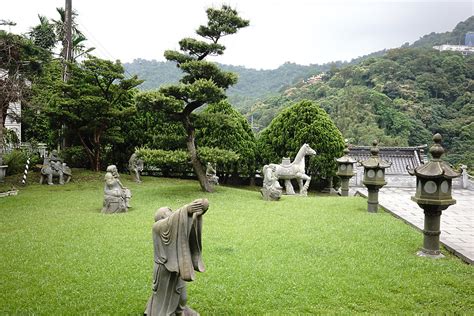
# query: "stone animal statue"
{"points": [[177, 256], [53, 166], [295, 170]]}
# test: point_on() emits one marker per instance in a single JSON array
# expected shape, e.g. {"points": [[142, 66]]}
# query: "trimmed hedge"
{"points": [[178, 161]]}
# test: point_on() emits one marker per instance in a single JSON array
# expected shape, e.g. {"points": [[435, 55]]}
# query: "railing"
{"points": [[39, 148]]}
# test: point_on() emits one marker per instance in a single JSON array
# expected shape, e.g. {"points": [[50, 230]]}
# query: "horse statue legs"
{"points": [[303, 187]]}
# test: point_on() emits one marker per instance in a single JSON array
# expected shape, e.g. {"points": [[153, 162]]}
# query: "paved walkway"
{"points": [[457, 221]]}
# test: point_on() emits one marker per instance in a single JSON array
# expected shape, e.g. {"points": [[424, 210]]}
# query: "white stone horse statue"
{"points": [[295, 170]]}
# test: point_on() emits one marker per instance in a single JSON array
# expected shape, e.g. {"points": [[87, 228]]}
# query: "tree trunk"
{"points": [[197, 166], [97, 159], [90, 154], [2, 126]]}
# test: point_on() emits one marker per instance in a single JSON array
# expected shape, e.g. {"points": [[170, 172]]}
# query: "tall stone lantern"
{"points": [[433, 195], [345, 171], [374, 176]]}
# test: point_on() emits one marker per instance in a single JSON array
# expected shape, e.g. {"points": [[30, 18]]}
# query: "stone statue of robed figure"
{"points": [[177, 255], [116, 195]]}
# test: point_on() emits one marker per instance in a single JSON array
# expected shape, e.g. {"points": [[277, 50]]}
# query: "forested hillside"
{"points": [[400, 96], [253, 84], [401, 99], [455, 37]]}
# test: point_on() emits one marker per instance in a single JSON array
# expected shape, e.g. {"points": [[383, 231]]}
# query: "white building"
{"points": [[12, 121], [465, 50]]}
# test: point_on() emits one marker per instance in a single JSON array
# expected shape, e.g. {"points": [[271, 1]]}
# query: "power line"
{"points": [[96, 42]]}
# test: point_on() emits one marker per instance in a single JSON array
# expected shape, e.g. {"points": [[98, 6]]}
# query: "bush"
{"points": [[16, 161], [75, 157], [221, 126], [172, 161]]}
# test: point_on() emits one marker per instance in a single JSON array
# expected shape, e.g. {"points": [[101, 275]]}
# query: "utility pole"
{"points": [[67, 42], [67, 55]]}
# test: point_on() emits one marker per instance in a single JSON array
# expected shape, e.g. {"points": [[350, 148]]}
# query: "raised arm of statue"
{"points": [[198, 206]]}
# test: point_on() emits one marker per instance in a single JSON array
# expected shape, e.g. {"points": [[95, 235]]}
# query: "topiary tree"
{"points": [[203, 82], [303, 122], [221, 126]]}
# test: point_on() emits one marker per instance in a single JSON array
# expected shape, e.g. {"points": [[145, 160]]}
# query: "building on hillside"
{"points": [[314, 78], [469, 39], [463, 49]]}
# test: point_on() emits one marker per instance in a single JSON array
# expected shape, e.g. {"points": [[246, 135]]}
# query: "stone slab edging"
{"points": [[8, 193]]}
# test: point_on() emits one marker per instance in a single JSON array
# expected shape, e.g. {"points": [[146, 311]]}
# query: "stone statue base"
{"points": [[214, 180], [116, 204], [270, 195], [421, 253]]}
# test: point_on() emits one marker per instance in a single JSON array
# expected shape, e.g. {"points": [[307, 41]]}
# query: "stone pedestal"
{"points": [[345, 186], [373, 200], [431, 232]]}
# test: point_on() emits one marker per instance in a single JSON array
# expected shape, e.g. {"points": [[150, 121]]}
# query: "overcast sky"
{"points": [[300, 31]]}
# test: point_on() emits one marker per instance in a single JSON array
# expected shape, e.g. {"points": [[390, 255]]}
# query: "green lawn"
{"points": [[60, 255]]}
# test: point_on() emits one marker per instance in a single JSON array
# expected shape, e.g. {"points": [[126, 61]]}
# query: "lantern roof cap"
{"points": [[436, 167], [375, 161], [346, 158]]}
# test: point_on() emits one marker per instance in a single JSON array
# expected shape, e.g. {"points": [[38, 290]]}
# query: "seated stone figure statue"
{"points": [[177, 253], [271, 190], [116, 196], [135, 166], [53, 166], [211, 174]]}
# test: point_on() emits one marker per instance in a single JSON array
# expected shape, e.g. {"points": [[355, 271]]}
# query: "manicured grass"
{"points": [[60, 255]]}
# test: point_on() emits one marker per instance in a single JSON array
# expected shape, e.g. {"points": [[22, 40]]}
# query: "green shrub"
{"points": [[75, 157], [179, 161], [16, 161], [166, 160], [222, 127]]}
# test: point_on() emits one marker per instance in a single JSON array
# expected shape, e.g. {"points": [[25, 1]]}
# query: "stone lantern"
{"points": [[433, 195], [345, 171], [374, 176]]}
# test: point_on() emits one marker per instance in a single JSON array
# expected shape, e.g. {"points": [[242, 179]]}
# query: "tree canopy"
{"points": [[93, 101], [221, 126], [402, 98]]}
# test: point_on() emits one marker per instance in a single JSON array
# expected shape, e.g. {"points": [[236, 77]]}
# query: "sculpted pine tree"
{"points": [[203, 82]]}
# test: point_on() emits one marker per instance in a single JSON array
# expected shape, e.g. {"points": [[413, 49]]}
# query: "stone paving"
{"points": [[457, 221]]}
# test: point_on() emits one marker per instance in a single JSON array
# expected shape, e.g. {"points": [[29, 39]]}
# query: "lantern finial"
{"points": [[437, 150], [374, 150]]}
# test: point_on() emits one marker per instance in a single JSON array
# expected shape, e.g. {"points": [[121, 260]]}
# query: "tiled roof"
{"points": [[400, 157]]}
